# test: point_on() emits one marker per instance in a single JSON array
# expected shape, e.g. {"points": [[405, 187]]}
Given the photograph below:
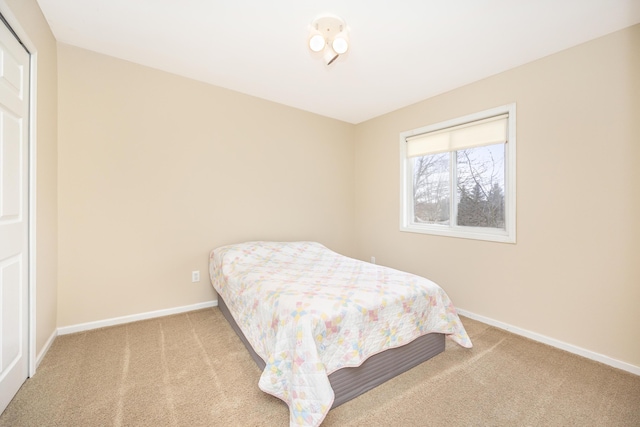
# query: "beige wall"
{"points": [[574, 274], [155, 170], [26, 16]]}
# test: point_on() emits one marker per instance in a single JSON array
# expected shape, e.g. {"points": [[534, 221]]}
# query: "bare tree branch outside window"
{"points": [[431, 189], [480, 175], [480, 186]]}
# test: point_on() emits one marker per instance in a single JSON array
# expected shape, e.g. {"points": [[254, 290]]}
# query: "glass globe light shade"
{"points": [[340, 44], [317, 43]]}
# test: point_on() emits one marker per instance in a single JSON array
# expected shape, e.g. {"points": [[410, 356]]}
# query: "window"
{"points": [[458, 178]]}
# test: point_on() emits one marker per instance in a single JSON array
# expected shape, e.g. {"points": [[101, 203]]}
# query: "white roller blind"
{"points": [[474, 134]]}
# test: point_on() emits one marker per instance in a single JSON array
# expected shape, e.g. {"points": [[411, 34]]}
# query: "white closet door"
{"points": [[14, 218]]}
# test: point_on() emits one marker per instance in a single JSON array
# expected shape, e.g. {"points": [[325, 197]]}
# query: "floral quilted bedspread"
{"points": [[309, 311]]}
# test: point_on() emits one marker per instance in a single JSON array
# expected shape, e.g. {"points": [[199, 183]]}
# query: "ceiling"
{"points": [[400, 53]]}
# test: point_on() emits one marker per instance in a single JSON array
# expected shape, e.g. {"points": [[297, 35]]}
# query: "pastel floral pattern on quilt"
{"points": [[308, 311]]}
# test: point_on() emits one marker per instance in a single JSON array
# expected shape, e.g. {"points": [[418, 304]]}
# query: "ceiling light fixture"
{"points": [[329, 35]]}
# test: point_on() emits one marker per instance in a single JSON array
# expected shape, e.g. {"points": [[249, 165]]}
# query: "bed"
{"points": [[324, 327]]}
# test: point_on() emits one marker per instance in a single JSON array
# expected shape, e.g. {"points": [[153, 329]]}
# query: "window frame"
{"points": [[407, 224]]}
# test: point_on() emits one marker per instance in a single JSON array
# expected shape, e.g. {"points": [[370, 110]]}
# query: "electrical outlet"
{"points": [[373, 260], [195, 276]]}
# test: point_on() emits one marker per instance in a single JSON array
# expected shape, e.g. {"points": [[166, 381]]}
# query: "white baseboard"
{"points": [[507, 327], [554, 343], [133, 318], [45, 349]]}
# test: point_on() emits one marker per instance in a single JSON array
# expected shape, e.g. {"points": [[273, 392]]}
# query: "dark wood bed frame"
{"points": [[351, 382]]}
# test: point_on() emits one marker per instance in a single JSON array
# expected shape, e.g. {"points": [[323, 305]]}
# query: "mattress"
{"points": [[308, 312]]}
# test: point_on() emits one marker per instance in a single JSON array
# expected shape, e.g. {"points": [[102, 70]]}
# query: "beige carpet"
{"points": [[192, 370]]}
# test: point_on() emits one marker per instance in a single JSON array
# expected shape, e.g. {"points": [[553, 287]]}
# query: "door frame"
{"points": [[14, 23]]}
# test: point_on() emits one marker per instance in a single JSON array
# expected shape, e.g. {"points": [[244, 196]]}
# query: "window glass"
{"points": [[431, 183], [480, 187]]}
